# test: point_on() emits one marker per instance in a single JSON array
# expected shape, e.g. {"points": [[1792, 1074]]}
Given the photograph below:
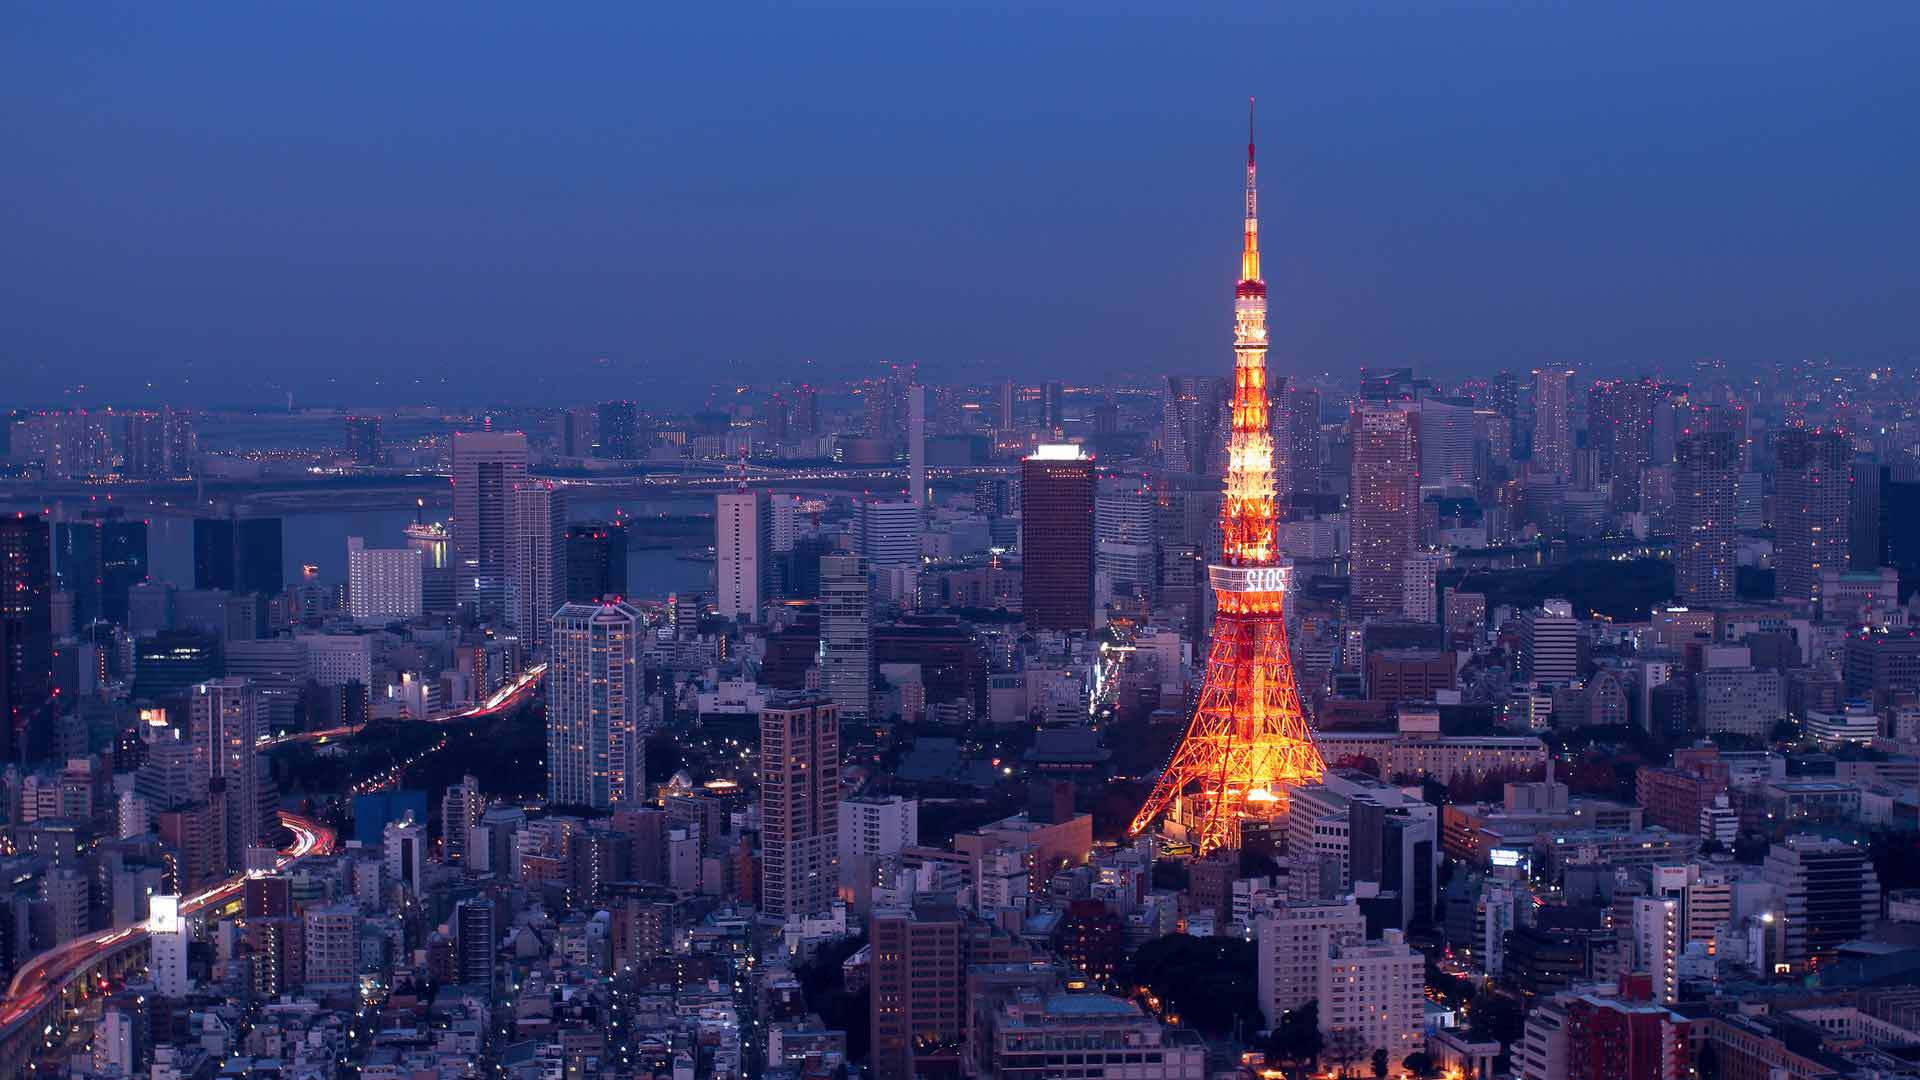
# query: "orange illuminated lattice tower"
{"points": [[1248, 741]]}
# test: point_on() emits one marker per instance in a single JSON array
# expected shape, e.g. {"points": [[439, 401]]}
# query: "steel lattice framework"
{"points": [[1248, 740]]}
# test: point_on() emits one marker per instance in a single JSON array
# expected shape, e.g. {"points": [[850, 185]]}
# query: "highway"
{"points": [[500, 700], [49, 973]]}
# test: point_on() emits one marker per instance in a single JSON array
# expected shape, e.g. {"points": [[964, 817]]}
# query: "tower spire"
{"points": [[1250, 251]]}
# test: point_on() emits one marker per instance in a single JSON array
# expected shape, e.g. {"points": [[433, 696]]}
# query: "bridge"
{"points": [[48, 990]]}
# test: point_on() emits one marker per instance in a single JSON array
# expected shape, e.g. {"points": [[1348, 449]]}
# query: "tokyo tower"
{"points": [[1249, 738]]}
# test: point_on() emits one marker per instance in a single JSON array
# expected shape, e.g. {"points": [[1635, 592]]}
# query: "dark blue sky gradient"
{"points": [[559, 202]]}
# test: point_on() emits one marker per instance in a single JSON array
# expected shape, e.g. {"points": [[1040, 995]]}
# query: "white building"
{"points": [[1446, 444], [168, 935], [889, 533], [743, 545], [595, 702], [383, 584], [1855, 722], [1124, 560], [1656, 943], [1293, 942], [339, 659], [1375, 993], [878, 825]]}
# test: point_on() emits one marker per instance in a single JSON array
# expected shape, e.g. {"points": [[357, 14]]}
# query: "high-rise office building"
{"points": [[917, 445], [1620, 433], [806, 411], [1192, 411], [487, 467], [596, 697], [596, 561], [1385, 506], [1056, 538], [26, 622], [239, 554], [1005, 416], [846, 635], [364, 444], [799, 804], [383, 584], [1447, 431], [1552, 422], [1303, 429], [536, 581], [618, 437], [743, 549], [99, 559], [1811, 510], [434, 544], [1705, 487], [890, 533], [227, 721], [1125, 561]]}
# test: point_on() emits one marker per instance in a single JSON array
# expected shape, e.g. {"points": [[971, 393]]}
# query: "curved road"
{"points": [[504, 698], [50, 972]]}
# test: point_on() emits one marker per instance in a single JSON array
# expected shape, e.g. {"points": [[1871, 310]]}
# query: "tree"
{"points": [[1344, 1049], [1380, 1064], [1420, 1066], [1708, 1065], [1296, 1041]]}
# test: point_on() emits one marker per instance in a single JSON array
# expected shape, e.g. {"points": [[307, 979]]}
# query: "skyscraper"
{"points": [[1303, 427], [917, 445], [799, 804], [1385, 506], [239, 554], [487, 467], [1446, 436], [1620, 432], [1056, 538], [846, 635], [98, 559], [596, 692], [1552, 422], [596, 561], [535, 577], [26, 622], [618, 438], [743, 546], [1125, 562], [1811, 509], [364, 444], [1705, 479], [1830, 891], [227, 720], [1191, 421]]}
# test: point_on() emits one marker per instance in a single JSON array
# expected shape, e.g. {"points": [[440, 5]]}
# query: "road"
{"points": [[49, 973], [501, 700]]}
